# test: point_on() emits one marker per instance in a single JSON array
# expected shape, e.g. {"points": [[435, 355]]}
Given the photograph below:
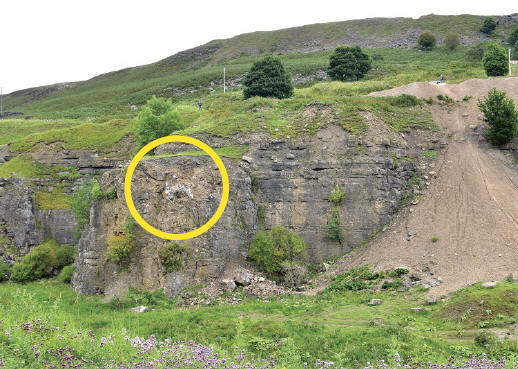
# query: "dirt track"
{"points": [[471, 205]]}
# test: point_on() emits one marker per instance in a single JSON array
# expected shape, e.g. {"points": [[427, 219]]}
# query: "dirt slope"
{"points": [[471, 205]]}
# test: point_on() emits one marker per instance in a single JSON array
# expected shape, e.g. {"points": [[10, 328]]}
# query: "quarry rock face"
{"points": [[278, 182], [17, 215], [175, 195], [23, 226]]}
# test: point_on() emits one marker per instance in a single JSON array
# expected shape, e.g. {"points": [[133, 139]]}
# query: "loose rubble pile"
{"points": [[232, 288]]}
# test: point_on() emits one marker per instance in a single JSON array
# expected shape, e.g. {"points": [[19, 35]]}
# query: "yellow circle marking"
{"points": [[176, 236]]}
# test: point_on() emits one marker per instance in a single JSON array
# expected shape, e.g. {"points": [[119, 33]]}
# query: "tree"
{"points": [[452, 40], [157, 119], [348, 63], [426, 40], [267, 78], [501, 116], [495, 60], [513, 38], [488, 26]]}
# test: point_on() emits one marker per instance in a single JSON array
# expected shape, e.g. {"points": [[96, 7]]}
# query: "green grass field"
{"points": [[339, 327]]}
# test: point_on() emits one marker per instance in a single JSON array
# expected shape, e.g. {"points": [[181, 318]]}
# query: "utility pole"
{"points": [[510, 74], [224, 82]]}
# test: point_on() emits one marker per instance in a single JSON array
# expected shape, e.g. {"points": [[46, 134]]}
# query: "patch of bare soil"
{"points": [[471, 205]]}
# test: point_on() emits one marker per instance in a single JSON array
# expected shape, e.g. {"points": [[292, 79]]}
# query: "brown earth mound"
{"points": [[471, 205]]}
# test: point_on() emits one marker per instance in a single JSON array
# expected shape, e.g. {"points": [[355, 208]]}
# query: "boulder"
{"points": [[431, 300], [373, 302], [228, 285], [242, 278], [491, 284], [419, 310], [139, 309]]}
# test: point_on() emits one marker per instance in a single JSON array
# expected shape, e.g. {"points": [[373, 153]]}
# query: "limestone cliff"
{"points": [[278, 182]]}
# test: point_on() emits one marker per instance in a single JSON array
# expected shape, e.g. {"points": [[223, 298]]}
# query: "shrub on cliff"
{"points": [[268, 78], [157, 119], [495, 60], [501, 116], [270, 250], [348, 63], [119, 248], [172, 256]]}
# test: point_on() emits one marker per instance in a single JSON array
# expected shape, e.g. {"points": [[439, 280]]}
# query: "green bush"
{"points": [[337, 197], [35, 265], [119, 248], [65, 276], [488, 26], [483, 338], [157, 119], [348, 63], [495, 60], [267, 78], [333, 229], [404, 101], [64, 255], [22, 273], [392, 285], [269, 250], [172, 256], [42, 261], [398, 272], [426, 40], [4, 271], [356, 279], [452, 40], [501, 116]]}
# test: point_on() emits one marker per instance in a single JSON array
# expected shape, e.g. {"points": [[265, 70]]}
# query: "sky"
{"points": [[45, 42]]}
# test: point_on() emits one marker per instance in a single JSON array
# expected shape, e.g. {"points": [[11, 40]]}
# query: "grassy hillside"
{"points": [[113, 95], [304, 50]]}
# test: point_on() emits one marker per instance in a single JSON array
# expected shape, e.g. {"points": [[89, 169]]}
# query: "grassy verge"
{"points": [[15, 129], [28, 169], [96, 136]]}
